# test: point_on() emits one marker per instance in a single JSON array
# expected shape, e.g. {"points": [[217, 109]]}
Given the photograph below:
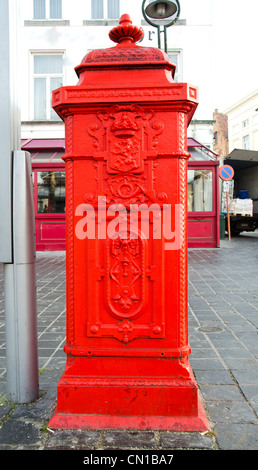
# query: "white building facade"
{"points": [[56, 34], [243, 123], [243, 146]]}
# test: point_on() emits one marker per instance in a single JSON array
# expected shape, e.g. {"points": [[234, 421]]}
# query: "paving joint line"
{"points": [[60, 314], [222, 321], [51, 357], [209, 341]]}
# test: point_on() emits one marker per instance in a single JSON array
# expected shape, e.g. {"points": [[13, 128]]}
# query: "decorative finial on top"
{"points": [[125, 32]]}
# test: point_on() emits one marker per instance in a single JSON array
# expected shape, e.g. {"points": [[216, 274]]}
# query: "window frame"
{"points": [[179, 66], [39, 167], [47, 12], [48, 77], [194, 165], [36, 183], [105, 11], [246, 142]]}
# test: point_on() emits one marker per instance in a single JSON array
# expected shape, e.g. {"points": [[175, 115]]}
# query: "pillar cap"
{"points": [[125, 53], [125, 31]]}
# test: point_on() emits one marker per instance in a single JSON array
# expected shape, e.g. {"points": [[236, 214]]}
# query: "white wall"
{"points": [[76, 40], [238, 113], [218, 56]]}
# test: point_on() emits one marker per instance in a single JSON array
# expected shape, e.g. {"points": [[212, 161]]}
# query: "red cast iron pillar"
{"points": [[126, 175]]}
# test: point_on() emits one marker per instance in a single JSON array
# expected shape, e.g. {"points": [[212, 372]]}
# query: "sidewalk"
{"points": [[223, 322]]}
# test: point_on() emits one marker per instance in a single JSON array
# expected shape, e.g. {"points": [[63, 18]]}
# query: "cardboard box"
{"points": [[241, 206]]}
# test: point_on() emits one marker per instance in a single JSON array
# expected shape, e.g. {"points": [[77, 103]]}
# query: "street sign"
{"points": [[226, 172]]}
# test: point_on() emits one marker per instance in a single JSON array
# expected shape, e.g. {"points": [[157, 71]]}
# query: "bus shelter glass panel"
{"points": [[200, 190], [50, 192]]}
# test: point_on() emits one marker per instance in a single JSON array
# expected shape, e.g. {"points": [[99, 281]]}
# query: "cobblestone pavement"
{"points": [[223, 322]]}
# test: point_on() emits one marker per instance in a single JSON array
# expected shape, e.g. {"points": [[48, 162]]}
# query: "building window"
{"points": [[200, 198], [246, 123], [101, 9], [47, 76], [246, 142], [176, 58], [47, 9], [50, 192]]}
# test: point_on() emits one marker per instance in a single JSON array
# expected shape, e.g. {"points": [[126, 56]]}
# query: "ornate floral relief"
{"points": [[124, 136], [126, 328], [124, 93], [125, 287], [126, 331], [97, 132], [127, 189], [130, 189]]}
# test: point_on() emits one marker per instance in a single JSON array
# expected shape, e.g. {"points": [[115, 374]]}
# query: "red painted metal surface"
{"points": [[127, 328], [203, 227]]}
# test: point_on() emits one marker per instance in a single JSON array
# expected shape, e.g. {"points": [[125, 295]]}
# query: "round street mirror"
{"points": [[161, 9], [161, 13]]}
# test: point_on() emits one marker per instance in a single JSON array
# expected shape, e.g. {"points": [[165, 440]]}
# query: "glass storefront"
{"points": [[200, 192], [50, 192]]}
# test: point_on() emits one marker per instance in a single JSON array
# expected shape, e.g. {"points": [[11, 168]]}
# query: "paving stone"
{"points": [[206, 364], [213, 377], [237, 436], [250, 392], [231, 353], [221, 392], [4, 411], [230, 412], [241, 363], [171, 440], [246, 377], [232, 343], [203, 352], [15, 432], [40, 410], [254, 405], [127, 439], [72, 439]]}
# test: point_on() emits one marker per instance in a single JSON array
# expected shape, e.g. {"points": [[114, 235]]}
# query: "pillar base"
{"points": [[105, 402], [174, 423]]}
